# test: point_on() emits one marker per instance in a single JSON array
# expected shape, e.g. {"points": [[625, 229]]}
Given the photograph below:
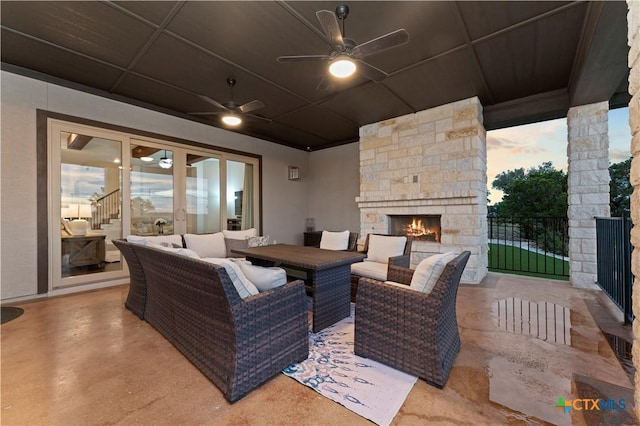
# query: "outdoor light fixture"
{"points": [[342, 67], [165, 162], [231, 120]]}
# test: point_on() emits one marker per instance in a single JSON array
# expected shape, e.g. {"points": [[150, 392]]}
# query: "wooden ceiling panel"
{"points": [[152, 11], [196, 71], [535, 58], [506, 53], [323, 123], [447, 79], [483, 17], [34, 55], [90, 28], [362, 104]]}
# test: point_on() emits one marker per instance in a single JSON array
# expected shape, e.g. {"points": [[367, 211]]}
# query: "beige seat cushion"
{"points": [[207, 245], [368, 269], [429, 270], [334, 240], [382, 247]]}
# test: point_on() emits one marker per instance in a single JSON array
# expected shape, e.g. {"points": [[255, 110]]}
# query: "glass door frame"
{"points": [[55, 129], [57, 123]]}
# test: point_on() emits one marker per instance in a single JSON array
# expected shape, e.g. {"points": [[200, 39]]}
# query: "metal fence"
{"points": [[613, 235], [529, 245]]}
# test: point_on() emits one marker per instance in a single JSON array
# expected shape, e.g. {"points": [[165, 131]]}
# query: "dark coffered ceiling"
{"points": [[526, 61]]}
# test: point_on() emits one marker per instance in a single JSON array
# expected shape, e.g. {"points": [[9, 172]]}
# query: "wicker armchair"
{"points": [[403, 260], [236, 343], [137, 296], [408, 330]]}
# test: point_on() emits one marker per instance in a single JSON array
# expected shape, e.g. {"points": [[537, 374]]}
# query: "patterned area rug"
{"points": [[368, 388]]}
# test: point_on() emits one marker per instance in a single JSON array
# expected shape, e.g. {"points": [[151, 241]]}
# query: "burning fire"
{"points": [[416, 229]]}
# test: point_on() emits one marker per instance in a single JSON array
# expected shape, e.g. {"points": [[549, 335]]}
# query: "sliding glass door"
{"points": [[105, 185], [86, 205], [151, 183]]}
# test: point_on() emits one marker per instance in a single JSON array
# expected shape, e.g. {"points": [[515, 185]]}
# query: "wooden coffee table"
{"points": [[327, 272]]}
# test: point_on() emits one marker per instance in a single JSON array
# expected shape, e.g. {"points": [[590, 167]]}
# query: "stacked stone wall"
{"points": [[588, 154], [633, 22], [430, 162]]}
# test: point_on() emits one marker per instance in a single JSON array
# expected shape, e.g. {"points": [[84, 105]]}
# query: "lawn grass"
{"points": [[514, 260]]}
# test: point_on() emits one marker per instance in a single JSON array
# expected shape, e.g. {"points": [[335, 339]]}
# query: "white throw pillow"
{"points": [[158, 239], [264, 278], [244, 287], [382, 247], [207, 245], [334, 240], [181, 251], [240, 235], [428, 271]]}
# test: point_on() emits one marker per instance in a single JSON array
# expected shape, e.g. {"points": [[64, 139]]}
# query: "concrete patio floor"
{"points": [[85, 359]]}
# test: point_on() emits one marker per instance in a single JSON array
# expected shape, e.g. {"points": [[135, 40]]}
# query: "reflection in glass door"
{"points": [[240, 195], [151, 190], [202, 194], [90, 205]]}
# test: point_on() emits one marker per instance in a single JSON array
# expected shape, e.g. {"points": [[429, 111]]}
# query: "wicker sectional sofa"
{"points": [[237, 343]]}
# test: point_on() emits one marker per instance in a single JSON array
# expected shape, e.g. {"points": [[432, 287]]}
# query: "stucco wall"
{"points": [[334, 184]]}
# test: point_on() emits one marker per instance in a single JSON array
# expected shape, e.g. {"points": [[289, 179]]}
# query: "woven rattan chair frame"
{"points": [[236, 343], [404, 260], [408, 330], [136, 299]]}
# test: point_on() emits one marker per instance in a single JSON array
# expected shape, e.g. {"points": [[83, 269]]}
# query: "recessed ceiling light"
{"points": [[146, 159]]}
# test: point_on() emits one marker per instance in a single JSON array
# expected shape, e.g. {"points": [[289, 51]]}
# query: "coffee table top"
{"points": [[302, 256]]}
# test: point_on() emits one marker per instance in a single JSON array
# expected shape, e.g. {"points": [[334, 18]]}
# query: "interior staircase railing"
{"points": [[107, 208]]}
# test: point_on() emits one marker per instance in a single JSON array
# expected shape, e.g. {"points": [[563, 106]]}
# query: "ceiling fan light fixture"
{"points": [[342, 67], [165, 162], [231, 120]]}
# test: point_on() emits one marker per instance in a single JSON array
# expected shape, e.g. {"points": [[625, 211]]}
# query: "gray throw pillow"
{"points": [[235, 244]]}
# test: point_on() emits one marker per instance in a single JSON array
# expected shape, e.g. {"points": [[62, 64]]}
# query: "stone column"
{"points": [[588, 153], [633, 23]]}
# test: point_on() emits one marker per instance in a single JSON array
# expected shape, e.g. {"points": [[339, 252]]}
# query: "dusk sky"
{"points": [[533, 144]]}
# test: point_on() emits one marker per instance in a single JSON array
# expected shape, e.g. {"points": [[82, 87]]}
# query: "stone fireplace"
{"points": [[431, 164]]}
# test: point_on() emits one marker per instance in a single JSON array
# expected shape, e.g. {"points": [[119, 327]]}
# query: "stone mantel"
{"points": [[449, 198]]}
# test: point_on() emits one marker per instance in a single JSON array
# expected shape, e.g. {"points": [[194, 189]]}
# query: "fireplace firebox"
{"points": [[420, 227]]}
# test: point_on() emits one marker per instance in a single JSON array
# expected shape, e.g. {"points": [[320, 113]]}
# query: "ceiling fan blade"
{"points": [[382, 43], [324, 84], [250, 106], [329, 23], [301, 58], [371, 72], [214, 103]]}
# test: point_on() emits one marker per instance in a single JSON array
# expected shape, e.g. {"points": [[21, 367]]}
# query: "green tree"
{"points": [[620, 188], [141, 206], [538, 192]]}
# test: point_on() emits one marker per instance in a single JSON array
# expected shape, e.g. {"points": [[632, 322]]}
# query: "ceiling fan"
{"points": [[346, 55], [231, 112]]}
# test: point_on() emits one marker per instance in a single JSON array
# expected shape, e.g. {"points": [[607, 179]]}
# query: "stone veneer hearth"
{"points": [[429, 163]]}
